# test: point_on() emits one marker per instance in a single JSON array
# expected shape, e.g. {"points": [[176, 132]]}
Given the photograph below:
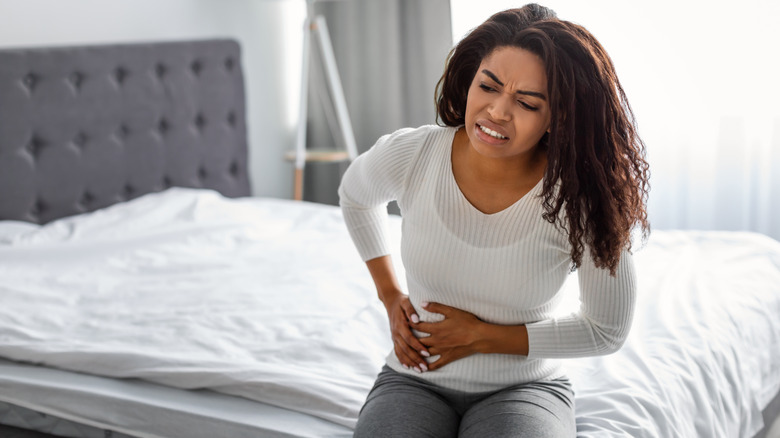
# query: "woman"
{"points": [[537, 171]]}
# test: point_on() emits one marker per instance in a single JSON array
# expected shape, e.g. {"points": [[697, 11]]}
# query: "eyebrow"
{"points": [[525, 92]]}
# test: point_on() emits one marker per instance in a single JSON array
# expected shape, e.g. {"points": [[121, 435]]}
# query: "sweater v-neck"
{"points": [[453, 182]]}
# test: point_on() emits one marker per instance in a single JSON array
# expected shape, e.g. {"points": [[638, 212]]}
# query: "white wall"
{"points": [[269, 32], [702, 78]]}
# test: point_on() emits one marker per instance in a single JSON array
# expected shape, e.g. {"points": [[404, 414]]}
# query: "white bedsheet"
{"points": [[703, 356], [267, 299]]}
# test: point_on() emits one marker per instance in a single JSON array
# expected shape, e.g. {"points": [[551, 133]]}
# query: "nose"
{"points": [[500, 109]]}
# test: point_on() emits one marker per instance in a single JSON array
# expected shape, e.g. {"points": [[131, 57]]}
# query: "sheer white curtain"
{"points": [[703, 78]]}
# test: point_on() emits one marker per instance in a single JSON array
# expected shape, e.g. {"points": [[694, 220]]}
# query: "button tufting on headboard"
{"points": [[122, 132], [35, 146], [235, 169], [39, 208], [30, 81], [163, 127], [72, 143], [160, 70], [200, 122], [86, 199], [80, 140], [120, 75], [75, 79], [196, 67]]}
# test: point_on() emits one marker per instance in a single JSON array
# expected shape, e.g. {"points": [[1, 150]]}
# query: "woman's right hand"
{"points": [[410, 352]]}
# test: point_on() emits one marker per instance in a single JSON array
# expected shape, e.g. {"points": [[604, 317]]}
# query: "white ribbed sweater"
{"points": [[506, 267]]}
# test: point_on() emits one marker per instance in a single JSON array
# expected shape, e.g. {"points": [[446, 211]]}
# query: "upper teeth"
{"points": [[492, 133]]}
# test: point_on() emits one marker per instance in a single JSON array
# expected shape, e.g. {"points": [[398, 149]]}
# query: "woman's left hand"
{"points": [[455, 337]]}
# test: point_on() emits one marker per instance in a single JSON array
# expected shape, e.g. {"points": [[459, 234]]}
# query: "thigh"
{"points": [[402, 406], [537, 409]]}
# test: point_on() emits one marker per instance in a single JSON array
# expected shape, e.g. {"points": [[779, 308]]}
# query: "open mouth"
{"points": [[492, 133]]}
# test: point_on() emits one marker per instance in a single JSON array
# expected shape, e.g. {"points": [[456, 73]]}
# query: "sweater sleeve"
{"points": [[375, 178], [603, 321]]}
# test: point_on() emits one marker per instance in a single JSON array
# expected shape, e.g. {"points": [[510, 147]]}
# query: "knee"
{"points": [[406, 410]]}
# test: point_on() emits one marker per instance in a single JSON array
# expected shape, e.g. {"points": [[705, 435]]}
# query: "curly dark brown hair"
{"points": [[596, 172]]}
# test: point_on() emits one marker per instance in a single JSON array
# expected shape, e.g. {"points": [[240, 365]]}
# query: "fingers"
{"points": [[408, 357], [414, 351], [411, 351], [427, 327], [409, 311], [409, 337], [442, 358], [428, 342], [408, 349], [445, 357], [430, 327], [454, 319], [437, 308], [448, 338]]}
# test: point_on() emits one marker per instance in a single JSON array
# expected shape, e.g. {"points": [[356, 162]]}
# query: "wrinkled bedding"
{"points": [[267, 299]]}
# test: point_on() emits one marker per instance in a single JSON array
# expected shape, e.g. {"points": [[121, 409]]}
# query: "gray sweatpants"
{"points": [[410, 407]]}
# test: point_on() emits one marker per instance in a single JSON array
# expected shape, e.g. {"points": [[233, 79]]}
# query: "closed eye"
{"points": [[527, 106], [489, 89]]}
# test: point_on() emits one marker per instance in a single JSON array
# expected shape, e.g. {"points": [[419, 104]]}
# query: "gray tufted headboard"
{"points": [[82, 128]]}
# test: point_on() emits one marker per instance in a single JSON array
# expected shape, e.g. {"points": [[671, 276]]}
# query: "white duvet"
{"points": [[268, 299]]}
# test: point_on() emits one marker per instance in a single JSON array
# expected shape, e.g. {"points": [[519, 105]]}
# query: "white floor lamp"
{"points": [[315, 25]]}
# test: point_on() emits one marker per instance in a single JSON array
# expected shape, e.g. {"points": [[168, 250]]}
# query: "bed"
{"points": [[145, 293]]}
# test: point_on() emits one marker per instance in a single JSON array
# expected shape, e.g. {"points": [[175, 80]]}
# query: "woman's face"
{"points": [[507, 109]]}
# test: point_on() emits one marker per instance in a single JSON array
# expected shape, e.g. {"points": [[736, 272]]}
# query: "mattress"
{"points": [[23, 420], [65, 403], [264, 306]]}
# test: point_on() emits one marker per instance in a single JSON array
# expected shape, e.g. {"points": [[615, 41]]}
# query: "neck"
{"points": [[516, 170]]}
